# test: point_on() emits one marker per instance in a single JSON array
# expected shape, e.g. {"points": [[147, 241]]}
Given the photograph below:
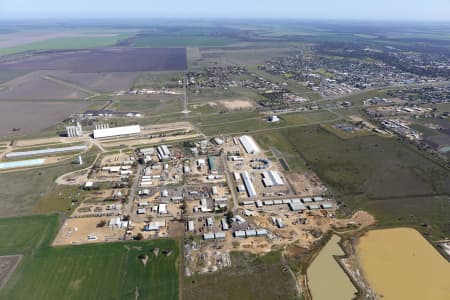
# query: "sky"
{"points": [[401, 10]]}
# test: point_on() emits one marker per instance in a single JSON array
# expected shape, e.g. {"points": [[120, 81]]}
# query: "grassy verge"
{"points": [[249, 277]]}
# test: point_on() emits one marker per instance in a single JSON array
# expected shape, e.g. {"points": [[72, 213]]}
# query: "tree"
{"points": [[229, 215], [102, 223]]}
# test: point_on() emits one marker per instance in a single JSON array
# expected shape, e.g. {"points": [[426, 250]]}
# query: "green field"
{"points": [[66, 43], [249, 277], [101, 271], [21, 190], [27, 234], [7, 75], [256, 123], [181, 41], [382, 175]]}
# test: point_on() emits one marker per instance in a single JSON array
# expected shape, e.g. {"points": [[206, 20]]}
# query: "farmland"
{"points": [[103, 60], [184, 36], [66, 43], [259, 123], [115, 269], [250, 277], [381, 175], [20, 191], [36, 86], [98, 82], [32, 117]]}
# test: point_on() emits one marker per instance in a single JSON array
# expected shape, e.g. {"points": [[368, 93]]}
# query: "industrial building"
{"points": [[154, 225], [117, 131], [212, 164], [45, 151], [249, 144], [163, 152], [297, 206], [251, 192], [214, 235], [250, 233], [190, 226], [272, 178], [273, 119], [74, 131]]}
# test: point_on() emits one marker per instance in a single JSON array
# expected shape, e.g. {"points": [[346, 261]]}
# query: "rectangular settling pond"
{"points": [[400, 264]]}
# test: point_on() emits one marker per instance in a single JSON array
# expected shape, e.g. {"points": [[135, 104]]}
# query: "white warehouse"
{"points": [[117, 131], [251, 192], [272, 178], [249, 144]]}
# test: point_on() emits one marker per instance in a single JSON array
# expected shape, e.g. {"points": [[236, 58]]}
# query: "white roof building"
{"points": [[251, 192], [117, 131], [249, 144], [191, 226], [272, 178], [162, 208]]}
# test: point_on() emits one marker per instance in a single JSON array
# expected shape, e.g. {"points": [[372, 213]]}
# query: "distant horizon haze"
{"points": [[347, 10]]}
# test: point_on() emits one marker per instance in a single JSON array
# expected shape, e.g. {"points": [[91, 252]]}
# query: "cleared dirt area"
{"points": [[33, 117], [7, 266], [306, 184], [76, 231], [103, 60], [236, 104], [99, 82], [35, 86]]}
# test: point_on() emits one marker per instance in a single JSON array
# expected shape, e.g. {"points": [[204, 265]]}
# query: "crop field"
{"points": [[10, 75], [182, 41], [21, 191], [249, 277], [66, 43], [26, 234], [101, 271], [382, 175], [98, 82], [184, 36], [35, 86], [34, 116], [103, 60]]}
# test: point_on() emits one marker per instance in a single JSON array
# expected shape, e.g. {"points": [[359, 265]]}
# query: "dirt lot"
{"points": [[236, 104], [103, 60], [34, 86], [8, 265], [306, 184], [75, 231], [33, 117]]}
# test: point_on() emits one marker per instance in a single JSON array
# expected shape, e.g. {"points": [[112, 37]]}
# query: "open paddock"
{"points": [[36, 86], [99, 271], [99, 82], [32, 117], [8, 265], [103, 60]]}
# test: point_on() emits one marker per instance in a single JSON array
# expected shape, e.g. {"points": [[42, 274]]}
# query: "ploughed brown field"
{"points": [[102, 60], [33, 116]]}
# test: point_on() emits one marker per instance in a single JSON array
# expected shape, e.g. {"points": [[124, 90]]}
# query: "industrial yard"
{"points": [[199, 160]]}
